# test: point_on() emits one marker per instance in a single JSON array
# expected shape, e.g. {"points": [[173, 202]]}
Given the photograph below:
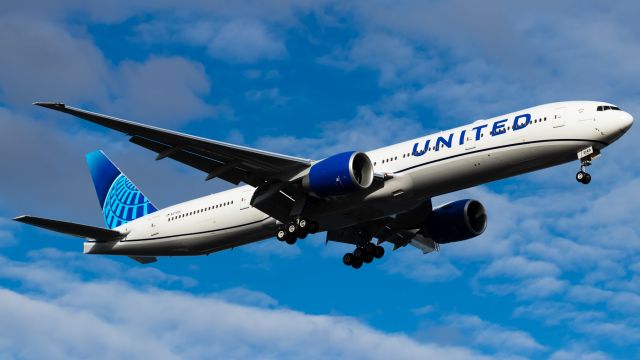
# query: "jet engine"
{"points": [[339, 175], [456, 221]]}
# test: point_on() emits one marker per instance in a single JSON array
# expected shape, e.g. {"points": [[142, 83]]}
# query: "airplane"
{"points": [[354, 196]]}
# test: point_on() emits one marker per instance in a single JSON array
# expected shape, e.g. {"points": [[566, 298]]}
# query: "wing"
{"points": [[229, 162], [79, 230], [401, 230]]}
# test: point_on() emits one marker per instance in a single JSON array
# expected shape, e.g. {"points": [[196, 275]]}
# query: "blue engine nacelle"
{"points": [[339, 175], [456, 221]]}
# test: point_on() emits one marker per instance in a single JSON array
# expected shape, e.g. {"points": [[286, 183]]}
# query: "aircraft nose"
{"points": [[626, 120]]}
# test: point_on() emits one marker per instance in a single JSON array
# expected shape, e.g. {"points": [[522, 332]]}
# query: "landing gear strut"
{"points": [[586, 156], [297, 229], [582, 176]]}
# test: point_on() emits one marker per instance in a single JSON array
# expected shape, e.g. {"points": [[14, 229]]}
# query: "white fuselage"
{"points": [[466, 156]]}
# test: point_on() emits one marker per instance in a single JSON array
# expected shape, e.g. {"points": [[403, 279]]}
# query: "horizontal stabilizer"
{"points": [[84, 231], [144, 259]]}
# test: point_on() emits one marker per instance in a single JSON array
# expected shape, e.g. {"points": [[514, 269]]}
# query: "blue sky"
{"points": [[556, 275]]}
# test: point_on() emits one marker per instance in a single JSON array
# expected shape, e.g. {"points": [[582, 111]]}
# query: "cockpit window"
{"points": [[607, 107]]}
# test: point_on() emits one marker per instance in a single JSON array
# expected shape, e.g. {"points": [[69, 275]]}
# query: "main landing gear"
{"points": [[363, 254], [297, 229], [582, 176]]}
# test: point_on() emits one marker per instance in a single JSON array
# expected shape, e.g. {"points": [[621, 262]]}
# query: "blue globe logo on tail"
{"points": [[120, 199], [124, 203]]}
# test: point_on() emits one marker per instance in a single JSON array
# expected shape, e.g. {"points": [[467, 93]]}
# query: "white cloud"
{"points": [[58, 151], [244, 296], [397, 62], [599, 326], [492, 335], [411, 263], [519, 267], [528, 290], [43, 61], [588, 294], [107, 319], [163, 91], [246, 42], [541, 287], [48, 61], [423, 310], [569, 254], [272, 247], [236, 39], [577, 352], [6, 232], [367, 130], [270, 95]]}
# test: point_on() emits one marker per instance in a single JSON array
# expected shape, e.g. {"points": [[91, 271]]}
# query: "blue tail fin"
{"points": [[120, 199]]}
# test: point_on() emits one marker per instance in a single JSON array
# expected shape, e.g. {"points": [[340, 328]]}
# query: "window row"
{"points": [[194, 212], [436, 148]]}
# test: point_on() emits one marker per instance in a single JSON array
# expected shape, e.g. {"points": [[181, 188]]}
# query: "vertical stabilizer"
{"points": [[121, 201]]}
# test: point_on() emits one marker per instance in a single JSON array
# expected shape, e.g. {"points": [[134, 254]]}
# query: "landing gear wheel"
{"points": [[281, 235], [378, 252], [583, 177], [369, 248], [348, 259], [292, 228], [357, 263], [302, 234], [291, 239], [359, 253], [367, 258], [303, 223]]}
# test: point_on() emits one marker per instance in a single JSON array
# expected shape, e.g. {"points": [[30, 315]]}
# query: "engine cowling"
{"points": [[456, 221], [339, 175]]}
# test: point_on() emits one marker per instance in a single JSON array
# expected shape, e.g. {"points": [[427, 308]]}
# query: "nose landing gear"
{"points": [[583, 176], [586, 156]]}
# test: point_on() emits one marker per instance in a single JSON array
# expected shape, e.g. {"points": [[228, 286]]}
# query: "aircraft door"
{"points": [[469, 140], [245, 200], [153, 225], [558, 117], [471, 136]]}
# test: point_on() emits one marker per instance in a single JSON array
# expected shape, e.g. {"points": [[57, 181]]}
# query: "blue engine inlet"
{"points": [[456, 221], [339, 175]]}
